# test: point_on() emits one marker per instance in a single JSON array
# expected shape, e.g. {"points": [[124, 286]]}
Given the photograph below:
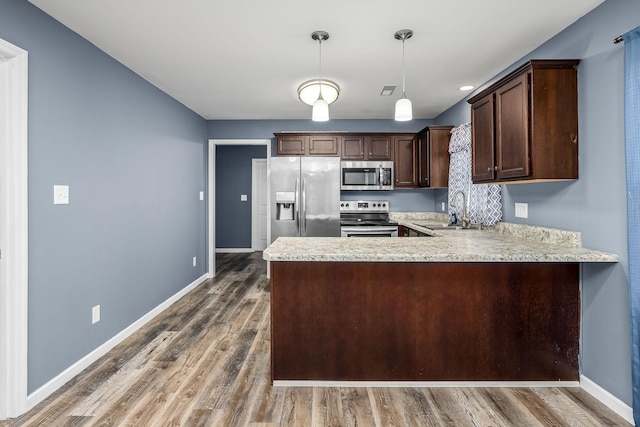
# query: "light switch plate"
{"points": [[60, 194], [202, 195], [522, 210], [95, 314], [243, 197]]}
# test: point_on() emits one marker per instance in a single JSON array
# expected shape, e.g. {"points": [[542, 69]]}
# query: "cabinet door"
{"points": [[323, 145], [405, 161], [482, 134], [512, 128], [438, 142], [423, 159], [352, 148], [291, 145], [378, 148]]}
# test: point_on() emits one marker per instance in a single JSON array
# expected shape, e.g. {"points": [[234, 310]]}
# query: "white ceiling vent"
{"points": [[387, 90]]}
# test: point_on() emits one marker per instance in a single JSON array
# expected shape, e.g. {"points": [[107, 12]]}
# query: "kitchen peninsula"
{"points": [[461, 305]]}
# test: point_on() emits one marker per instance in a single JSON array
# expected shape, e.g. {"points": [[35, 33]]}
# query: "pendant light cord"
{"points": [[404, 95], [320, 43]]}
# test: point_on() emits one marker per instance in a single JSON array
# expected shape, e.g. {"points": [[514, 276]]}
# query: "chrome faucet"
{"points": [[465, 219]]}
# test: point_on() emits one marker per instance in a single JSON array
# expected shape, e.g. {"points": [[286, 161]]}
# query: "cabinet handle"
{"points": [[496, 168], [488, 169]]}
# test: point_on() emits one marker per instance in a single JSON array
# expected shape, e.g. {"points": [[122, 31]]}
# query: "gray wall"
{"points": [[233, 178], [595, 204], [400, 200], [135, 162]]}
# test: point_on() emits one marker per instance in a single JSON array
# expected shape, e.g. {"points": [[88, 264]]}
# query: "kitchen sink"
{"points": [[442, 226]]}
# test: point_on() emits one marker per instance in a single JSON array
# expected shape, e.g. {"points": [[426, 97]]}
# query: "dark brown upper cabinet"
{"points": [[433, 156], [367, 147], [525, 126], [405, 161], [307, 145]]}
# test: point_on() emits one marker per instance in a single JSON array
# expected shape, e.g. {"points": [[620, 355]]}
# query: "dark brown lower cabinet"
{"points": [[425, 321]]}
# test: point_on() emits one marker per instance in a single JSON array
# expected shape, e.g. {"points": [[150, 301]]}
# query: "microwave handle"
{"points": [[381, 176]]}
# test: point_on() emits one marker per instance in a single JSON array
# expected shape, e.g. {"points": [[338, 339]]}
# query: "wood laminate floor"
{"points": [[205, 362]]}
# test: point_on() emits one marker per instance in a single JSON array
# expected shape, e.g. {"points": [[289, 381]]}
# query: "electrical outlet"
{"points": [[443, 207], [243, 197], [202, 195], [194, 261], [95, 314], [522, 210]]}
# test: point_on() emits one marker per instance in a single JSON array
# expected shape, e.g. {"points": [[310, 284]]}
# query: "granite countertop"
{"points": [[500, 243]]}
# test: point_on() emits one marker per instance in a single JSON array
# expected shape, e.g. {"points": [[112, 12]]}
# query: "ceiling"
{"points": [[244, 59]]}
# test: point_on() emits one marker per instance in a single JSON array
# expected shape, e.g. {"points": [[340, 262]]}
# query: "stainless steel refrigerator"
{"points": [[305, 196]]}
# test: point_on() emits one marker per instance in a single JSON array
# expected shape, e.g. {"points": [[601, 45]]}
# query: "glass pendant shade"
{"points": [[404, 111], [309, 91], [320, 112]]}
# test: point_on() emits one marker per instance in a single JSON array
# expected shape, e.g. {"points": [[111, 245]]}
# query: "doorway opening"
{"points": [[211, 246]]}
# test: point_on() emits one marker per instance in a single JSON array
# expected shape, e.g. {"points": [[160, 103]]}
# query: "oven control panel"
{"points": [[364, 206]]}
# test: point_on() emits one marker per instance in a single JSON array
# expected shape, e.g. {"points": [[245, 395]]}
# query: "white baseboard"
{"points": [[54, 384], [612, 402], [233, 250], [424, 384]]}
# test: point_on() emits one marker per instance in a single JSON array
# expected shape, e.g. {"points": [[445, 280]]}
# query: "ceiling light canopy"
{"points": [[404, 110], [467, 87]]}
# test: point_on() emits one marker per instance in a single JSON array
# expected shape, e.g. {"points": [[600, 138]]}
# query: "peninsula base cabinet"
{"points": [[370, 321]]}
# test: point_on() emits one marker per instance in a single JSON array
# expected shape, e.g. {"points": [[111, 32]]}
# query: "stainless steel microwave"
{"points": [[366, 175]]}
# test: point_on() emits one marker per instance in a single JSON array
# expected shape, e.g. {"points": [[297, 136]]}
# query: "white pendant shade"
{"points": [[404, 111], [320, 111]]}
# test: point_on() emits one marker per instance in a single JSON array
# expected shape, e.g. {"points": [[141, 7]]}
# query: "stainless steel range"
{"points": [[366, 218]]}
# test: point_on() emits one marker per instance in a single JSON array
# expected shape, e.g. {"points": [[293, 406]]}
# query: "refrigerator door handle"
{"points": [[296, 205], [304, 208]]}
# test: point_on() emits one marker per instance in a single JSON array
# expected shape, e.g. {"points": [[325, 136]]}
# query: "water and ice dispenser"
{"points": [[285, 205]]}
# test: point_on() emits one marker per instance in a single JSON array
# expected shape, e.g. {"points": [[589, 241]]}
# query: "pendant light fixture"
{"points": [[320, 112], [403, 105]]}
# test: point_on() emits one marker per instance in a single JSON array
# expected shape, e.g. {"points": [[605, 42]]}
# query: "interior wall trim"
{"points": [[13, 231], [424, 384], [65, 376], [612, 402]]}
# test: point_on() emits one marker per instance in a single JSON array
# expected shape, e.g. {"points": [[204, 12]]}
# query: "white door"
{"points": [[259, 205]]}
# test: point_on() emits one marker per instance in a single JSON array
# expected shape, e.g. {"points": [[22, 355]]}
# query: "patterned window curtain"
{"points": [[632, 148], [484, 202]]}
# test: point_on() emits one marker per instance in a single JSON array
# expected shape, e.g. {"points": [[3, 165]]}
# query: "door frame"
{"points": [[255, 210], [211, 194], [14, 233]]}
